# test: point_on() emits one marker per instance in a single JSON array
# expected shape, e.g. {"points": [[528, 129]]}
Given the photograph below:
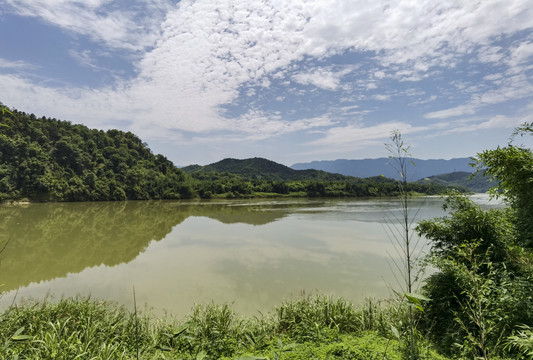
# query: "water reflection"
{"points": [[179, 253]]}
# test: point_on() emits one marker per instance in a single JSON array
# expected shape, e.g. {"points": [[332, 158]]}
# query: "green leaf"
{"points": [[250, 338], [395, 332], [414, 299], [251, 357], [180, 330], [163, 348], [21, 337], [19, 331], [5, 110], [201, 355], [289, 347], [417, 296]]}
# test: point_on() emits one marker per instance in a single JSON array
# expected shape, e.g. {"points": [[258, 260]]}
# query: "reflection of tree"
{"points": [[52, 240]]}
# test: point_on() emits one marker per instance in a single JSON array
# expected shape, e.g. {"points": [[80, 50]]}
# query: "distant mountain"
{"points": [[381, 166], [476, 183], [259, 168]]}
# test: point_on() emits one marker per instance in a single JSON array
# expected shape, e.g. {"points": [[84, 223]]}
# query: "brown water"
{"points": [[251, 253]]}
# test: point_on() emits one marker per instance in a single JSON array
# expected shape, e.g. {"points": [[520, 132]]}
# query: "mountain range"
{"points": [[454, 172], [417, 168]]}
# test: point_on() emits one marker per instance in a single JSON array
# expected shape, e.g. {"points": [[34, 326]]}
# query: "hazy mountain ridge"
{"points": [[381, 166]]}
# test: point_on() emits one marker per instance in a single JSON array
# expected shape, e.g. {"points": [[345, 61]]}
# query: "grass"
{"points": [[316, 327]]}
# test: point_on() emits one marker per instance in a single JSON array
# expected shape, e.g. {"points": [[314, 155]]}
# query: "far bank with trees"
{"points": [[44, 159]]}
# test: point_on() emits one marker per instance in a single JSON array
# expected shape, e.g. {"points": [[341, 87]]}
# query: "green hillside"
{"points": [[476, 182], [259, 168], [45, 159]]}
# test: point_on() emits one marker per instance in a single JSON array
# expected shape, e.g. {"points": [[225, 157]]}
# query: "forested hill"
{"points": [[476, 182], [46, 159], [259, 168]]}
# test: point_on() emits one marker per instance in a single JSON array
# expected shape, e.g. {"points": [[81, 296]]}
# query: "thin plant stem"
{"points": [[136, 323]]}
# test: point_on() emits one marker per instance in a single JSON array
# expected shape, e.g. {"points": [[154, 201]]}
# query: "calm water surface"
{"points": [[251, 253]]}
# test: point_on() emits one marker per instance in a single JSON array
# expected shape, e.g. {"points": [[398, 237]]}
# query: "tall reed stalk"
{"points": [[400, 229]]}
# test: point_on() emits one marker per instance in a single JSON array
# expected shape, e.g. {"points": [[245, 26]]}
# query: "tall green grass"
{"points": [[317, 327]]}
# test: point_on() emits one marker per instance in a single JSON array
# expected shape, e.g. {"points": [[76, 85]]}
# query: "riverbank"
{"points": [[317, 327]]}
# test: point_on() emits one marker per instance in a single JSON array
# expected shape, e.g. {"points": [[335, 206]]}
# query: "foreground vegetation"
{"points": [[306, 328], [476, 305], [481, 304]]}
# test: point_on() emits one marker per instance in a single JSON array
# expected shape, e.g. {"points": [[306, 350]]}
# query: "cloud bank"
{"points": [[194, 59]]}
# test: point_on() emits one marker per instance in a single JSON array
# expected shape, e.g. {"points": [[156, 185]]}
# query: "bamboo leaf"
{"points": [[419, 297], [163, 348], [19, 331], [395, 332], [180, 330], [21, 337]]}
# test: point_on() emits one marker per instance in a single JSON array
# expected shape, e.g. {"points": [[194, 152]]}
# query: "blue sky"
{"points": [[292, 81]]}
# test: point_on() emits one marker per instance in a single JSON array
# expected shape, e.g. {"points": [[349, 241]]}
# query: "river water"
{"points": [[250, 253]]}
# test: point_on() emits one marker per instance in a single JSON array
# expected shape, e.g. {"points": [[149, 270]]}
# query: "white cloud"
{"points": [[488, 54], [83, 58], [256, 125], [204, 51], [324, 78], [8, 64], [512, 87], [354, 135], [422, 101], [493, 77], [452, 112], [496, 122], [521, 54], [381, 97], [134, 28]]}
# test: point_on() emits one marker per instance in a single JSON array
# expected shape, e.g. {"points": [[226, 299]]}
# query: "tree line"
{"points": [[45, 159]]}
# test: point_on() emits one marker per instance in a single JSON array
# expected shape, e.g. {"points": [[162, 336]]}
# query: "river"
{"points": [[250, 253]]}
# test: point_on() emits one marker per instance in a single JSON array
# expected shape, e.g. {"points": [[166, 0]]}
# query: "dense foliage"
{"points": [[301, 329], [51, 160], [481, 302], [43, 159], [229, 185]]}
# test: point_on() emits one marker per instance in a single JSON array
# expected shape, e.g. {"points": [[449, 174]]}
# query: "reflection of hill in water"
{"points": [[252, 213], [51, 240]]}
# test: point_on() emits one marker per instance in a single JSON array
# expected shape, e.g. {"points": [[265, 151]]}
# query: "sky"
{"points": [[288, 80]]}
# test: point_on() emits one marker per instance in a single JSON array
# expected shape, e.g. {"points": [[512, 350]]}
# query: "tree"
{"points": [[481, 291], [512, 168], [4, 111]]}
